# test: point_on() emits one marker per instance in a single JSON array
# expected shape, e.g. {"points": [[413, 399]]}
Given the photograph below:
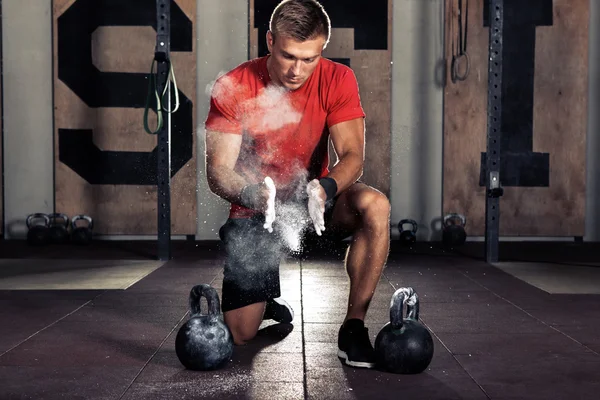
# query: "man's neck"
{"points": [[272, 78]]}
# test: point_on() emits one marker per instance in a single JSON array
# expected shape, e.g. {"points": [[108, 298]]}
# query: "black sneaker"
{"points": [[278, 310], [354, 345]]}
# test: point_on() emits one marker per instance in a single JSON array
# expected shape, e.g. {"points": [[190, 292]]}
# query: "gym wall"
{"points": [[544, 119], [105, 162], [219, 50], [27, 112], [417, 122], [1, 137], [417, 115]]}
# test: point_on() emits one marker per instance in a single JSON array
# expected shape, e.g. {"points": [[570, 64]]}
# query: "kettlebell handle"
{"points": [[408, 221], [53, 217], [85, 217], [32, 217], [212, 298], [462, 218], [401, 296]]}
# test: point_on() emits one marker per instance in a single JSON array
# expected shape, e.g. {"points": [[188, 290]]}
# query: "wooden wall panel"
{"points": [[113, 178], [1, 154], [1, 135], [558, 123], [366, 45]]}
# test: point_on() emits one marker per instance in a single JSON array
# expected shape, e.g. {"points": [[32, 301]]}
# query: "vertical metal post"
{"points": [[162, 57], [494, 190]]}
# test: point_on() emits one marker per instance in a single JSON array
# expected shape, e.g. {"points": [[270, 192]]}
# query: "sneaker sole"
{"points": [[290, 316], [357, 364]]}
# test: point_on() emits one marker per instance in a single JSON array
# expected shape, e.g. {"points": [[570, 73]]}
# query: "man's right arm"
{"points": [[222, 151]]}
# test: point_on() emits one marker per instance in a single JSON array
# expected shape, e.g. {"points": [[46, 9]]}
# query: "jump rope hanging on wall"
{"points": [[160, 99], [459, 51]]}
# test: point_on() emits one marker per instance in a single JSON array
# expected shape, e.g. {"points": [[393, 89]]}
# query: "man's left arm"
{"points": [[348, 139]]}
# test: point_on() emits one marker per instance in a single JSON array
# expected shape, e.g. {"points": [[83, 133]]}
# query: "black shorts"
{"points": [[251, 271], [253, 256]]}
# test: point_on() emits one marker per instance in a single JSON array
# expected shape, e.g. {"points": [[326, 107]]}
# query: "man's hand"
{"points": [[316, 204], [270, 211], [261, 197]]}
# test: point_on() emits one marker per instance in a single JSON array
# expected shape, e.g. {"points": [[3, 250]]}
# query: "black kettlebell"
{"points": [[408, 237], [37, 233], [454, 233], [404, 345], [58, 232], [204, 342], [82, 234]]}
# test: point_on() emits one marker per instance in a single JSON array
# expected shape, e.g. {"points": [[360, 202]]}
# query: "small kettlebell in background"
{"points": [[58, 232], [408, 236], [82, 233], [454, 234], [37, 229]]}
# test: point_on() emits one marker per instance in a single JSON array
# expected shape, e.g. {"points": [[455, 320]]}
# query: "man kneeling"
{"points": [[272, 117]]}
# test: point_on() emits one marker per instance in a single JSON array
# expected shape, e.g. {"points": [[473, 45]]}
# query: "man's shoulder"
{"points": [[239, 82], [335, 75], [251, 69], [334, 69]]}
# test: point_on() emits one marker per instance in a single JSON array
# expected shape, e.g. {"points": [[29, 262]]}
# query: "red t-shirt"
{"points": [[285, 133]]}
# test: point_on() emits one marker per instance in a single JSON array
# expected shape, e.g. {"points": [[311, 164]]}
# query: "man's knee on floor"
{"points": [[242, 336], [244, 322]]}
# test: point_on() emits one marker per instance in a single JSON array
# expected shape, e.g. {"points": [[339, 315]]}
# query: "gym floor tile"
{"points": [[249, 362], [484, 324], [333, 297], [463, 297], [50, 382], [425, 274], [110, 330], [495, 308], [321, 332], [234, 388], [170, 314], [278, 338], [337, 313], [130, 298], [230, 388], [588, 336], [321, 355], [353, 384], [556, 278], [496, 344], [435, 285], [332, 272], [568, 314], [310, 281], [571, 368], [73, 350], [556, 390]]}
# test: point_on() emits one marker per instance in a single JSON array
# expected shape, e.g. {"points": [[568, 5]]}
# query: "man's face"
{"points": [[293, 62]]}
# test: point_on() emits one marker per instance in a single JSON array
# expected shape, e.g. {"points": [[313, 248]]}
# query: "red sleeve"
{"points": [[223, 112], [344, 100]]}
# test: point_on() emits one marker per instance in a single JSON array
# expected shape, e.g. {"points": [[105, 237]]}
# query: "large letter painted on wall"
{"points": [[544, 119], [106, 163]]}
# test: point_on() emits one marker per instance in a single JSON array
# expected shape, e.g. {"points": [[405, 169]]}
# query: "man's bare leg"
{"points": [[244, 322], [364, 262], [365, 212]]}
